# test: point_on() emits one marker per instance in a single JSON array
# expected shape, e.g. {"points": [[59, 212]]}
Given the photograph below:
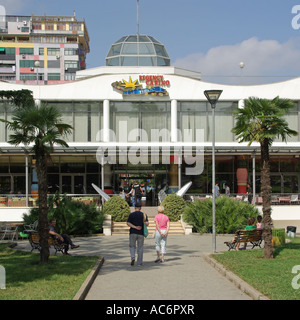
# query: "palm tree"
{"points": [[262, 120], [39, 128]]}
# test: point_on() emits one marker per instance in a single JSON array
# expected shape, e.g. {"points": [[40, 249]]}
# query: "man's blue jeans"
{"points": [[136, 201]]}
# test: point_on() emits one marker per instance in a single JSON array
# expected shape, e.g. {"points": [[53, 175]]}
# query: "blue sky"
{"points": [[210, 36]]}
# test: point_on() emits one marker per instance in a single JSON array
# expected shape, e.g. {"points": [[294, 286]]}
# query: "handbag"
{"points": [[146, 232]]}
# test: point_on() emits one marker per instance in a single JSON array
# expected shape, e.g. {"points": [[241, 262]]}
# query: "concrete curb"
{"points": [[84, 289], [238, 282]]}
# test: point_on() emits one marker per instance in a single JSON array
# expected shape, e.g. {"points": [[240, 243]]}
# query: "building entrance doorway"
{"points": [[72, 184], [152, 178]]}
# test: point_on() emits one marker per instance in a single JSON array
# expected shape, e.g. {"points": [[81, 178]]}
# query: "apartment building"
{"points": [[42, 49]]}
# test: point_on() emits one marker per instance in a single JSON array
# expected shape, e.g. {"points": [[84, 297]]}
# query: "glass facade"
{"points": [[84, 117], [74, 173], [197, 115], [140, 115]]}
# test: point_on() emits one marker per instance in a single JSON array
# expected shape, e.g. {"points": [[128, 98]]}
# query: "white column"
{"points": [[174, 121], [241, 104], [37, 102], [106, 121]]}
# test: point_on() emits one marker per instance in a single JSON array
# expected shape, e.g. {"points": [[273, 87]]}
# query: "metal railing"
{"points": [[19, 200], [276, 198]]}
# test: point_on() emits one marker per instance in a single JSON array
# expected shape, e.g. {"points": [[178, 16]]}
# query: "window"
{"points": [[53, 51], [26, 63], [37, 26], [225, 120], [71, 64], [36, 39], [29, 76], [49, 26], [193, 117], [198, 115], [26, 50], [84, 117], [70, 76], [75, 27], [71, 52], [10, 51], [41, 51], [54, 76], [61, 26], [145, 115]]}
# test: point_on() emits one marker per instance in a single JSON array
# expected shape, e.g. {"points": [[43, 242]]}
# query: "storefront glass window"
{"points": [[155, 115], [144, 115], [223, 122], [193, 116], [84, 117]]}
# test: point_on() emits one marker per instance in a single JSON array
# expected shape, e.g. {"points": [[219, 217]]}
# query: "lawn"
{"points": [[272, 277], [26, 279]]}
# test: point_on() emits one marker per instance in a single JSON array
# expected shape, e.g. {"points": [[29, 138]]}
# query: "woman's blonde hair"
{"points": [[160, 209]]}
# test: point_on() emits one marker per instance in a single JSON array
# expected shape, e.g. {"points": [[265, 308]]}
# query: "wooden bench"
{"points": [[34, 240], [253, 236]]}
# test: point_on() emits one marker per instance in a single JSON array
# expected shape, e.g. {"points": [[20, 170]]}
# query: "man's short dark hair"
{"points": [[138, 207]]}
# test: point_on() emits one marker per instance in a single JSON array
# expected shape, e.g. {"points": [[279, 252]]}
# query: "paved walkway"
{"points": [[183, 276]]}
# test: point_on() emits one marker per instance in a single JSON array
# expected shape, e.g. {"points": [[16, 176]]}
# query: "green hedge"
{"points": [[72, 217], [231, 215], [174, 206], [117, 207]]}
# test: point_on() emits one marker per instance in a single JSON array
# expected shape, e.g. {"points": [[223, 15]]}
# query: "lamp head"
{"points": [[212, 96]]}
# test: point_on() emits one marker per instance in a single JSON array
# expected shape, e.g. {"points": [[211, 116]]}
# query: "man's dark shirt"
{"points": [[137, 219]]}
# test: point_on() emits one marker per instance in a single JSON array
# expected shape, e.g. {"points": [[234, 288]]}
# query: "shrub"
{"points": [[72, 217], [174, 206], [231, 214], [117, 207]]}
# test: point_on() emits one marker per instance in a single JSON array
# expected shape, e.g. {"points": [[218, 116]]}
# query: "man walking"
{"points": [[136, 221]]}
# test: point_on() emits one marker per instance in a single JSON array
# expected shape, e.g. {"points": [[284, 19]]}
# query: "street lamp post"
{"points": [[213, 96], [37, 65]]}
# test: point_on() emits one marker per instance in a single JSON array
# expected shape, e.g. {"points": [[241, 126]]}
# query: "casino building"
{"points": [[118, 105]]}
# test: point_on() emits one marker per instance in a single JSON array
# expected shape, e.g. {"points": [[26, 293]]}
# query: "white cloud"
{"points": [[269, 60]]}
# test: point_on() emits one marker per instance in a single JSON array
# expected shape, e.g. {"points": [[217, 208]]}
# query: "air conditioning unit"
{"points": [[25, 23]]}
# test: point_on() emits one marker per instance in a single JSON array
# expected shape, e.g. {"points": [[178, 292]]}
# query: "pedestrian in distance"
{"points": [[227, 190], [217, 190]]}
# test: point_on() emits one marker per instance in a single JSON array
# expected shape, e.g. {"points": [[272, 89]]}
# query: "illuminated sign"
{"points": [[153, 87]]}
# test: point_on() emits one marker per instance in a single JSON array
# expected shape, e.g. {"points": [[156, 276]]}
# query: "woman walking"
{"points": [[162, 224]]}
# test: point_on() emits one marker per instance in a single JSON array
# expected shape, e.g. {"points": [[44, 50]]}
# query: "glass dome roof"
{"points": [[137, 50]]}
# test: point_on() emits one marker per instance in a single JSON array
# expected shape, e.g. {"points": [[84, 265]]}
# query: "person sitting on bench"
{"points": [[62, 239], [250, 226]]}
